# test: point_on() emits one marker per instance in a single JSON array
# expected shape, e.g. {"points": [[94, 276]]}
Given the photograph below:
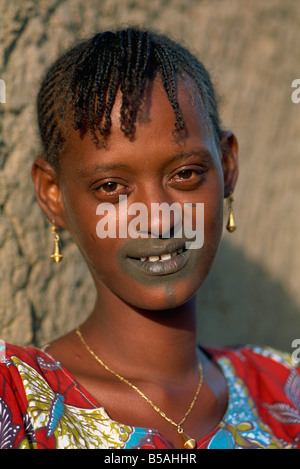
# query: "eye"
{"points": [[188, 178], [186, 174], [109, 187], [109, 190]]}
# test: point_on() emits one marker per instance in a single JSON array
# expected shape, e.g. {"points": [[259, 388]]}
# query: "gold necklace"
{"points": [[188, 443]]}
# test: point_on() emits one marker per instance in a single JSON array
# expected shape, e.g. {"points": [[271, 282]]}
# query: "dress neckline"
{"points": [[98, 407]]}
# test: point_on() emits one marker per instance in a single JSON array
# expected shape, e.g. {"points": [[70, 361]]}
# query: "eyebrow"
{"points": [[99, 167], [203, 152]]}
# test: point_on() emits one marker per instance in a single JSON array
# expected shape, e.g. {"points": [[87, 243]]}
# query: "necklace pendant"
{"points": [[188, 443]]}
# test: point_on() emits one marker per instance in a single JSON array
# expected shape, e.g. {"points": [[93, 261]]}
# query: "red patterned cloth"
{"points": [[42, 405]]}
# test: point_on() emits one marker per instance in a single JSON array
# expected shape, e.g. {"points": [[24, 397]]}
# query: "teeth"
{"points": [[163, 257], [153, 258]]}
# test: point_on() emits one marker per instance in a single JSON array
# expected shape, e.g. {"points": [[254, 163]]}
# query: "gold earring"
{"points": [[56, 255], [231, 226]]}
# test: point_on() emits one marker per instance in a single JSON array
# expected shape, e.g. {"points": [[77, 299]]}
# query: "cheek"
{"points": [[213, 222], [81, 222], [213, 219], [214, 205]]}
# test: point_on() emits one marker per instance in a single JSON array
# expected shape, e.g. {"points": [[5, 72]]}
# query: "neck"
{"points": [[159, 342]]}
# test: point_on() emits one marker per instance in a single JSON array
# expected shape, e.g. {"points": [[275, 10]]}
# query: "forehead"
{"points": [[154, 127]]}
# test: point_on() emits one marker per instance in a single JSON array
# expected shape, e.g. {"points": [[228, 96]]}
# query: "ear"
{"points": [[48, 193], [229, 148]]}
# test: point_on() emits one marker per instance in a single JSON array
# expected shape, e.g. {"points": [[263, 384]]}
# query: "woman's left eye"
{"points": [[187, 179], [186, 173]]}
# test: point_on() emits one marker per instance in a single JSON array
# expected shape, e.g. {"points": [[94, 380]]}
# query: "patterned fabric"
{"points": [[42, 406]]}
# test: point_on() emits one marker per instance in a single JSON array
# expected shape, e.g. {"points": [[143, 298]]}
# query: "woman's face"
{"points": [[155, 167]]}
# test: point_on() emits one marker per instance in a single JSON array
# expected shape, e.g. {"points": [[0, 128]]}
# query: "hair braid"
{"points": [[81, 86]]}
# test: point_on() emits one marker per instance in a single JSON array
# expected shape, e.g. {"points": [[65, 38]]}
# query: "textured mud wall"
{"points": [[252, 50]]}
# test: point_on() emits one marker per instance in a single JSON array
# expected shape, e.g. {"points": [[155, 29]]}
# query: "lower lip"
{"points": [[160, 268]]}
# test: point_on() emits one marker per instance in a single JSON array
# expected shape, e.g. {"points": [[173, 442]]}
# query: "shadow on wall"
{"points": [[241, 303]]}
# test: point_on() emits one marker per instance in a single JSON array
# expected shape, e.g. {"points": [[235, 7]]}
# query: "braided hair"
{"points": [[82, 85]]}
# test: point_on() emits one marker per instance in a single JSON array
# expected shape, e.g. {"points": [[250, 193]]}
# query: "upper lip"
{"points": [[137, 248]]}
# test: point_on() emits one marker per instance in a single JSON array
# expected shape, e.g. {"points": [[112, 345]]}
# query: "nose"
{"points": [[159, 216], [165, 219]]}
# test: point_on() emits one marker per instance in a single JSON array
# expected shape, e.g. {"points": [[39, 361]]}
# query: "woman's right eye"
{"points": [[109, 187], [110, 190]]}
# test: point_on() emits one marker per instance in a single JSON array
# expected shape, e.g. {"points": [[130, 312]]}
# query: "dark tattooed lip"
{"points": [[150, 259]]}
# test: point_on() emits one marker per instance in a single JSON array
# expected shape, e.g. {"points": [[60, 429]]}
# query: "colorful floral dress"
{"points": [[42, 405]]}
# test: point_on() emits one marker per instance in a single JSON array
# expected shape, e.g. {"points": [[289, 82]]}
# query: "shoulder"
{"points": [[257, 359], [255, 355], [29, 373], [268, 382], [23, 367], [272, 380], [271, 376], [14, 355], [18, 366], [264, 369], [17, 363]]}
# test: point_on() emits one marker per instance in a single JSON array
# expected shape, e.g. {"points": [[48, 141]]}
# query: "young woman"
{"points": [[131, 116]]}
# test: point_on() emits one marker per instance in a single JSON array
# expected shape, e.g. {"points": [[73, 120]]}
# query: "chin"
{"points": [[165, 298]]}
